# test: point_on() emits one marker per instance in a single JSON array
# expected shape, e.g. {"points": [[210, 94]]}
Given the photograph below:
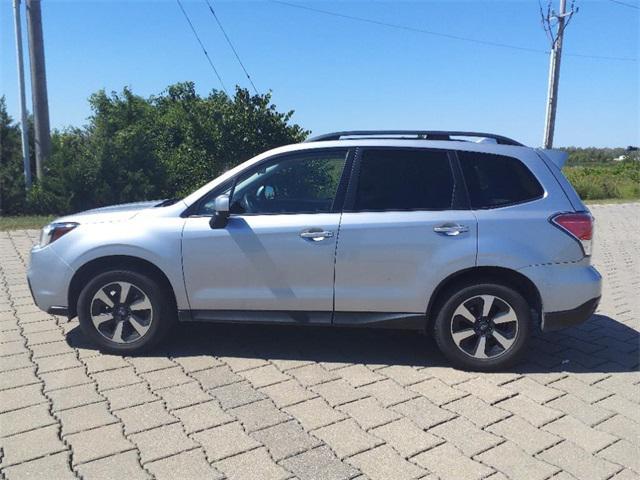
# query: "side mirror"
{"points": [[221, 214]]}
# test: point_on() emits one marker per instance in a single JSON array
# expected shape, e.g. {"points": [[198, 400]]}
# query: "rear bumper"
{"points": [[568, 318], [569, 292], [564, 286]]}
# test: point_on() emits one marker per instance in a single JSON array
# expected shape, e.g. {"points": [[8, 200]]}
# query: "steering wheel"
{"points": [[248, 204]]}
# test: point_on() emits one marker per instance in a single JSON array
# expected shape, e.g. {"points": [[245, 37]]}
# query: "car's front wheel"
{"points": [[125, 311], [483, 327]]}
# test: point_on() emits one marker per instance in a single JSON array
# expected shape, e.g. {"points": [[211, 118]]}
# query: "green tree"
{"points": [[136, 148], [199, 138], [69, 181], [12, 192]]}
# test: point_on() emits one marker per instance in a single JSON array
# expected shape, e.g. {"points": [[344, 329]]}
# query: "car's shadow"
{"points": [[582, 349]]}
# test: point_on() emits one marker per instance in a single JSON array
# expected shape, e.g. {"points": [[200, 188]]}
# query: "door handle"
{"points": [[451, 229], [316, 234]]}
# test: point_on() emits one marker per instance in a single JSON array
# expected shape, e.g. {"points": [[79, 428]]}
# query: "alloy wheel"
{"points": [[121, 312], [484, 326]]}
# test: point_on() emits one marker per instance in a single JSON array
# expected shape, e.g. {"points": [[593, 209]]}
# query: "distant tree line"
{"points": [[593, 156]]}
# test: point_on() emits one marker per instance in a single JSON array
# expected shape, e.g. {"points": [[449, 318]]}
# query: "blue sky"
{"points": [[339, 74]]}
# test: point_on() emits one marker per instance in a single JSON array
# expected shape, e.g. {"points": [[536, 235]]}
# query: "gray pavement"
{"points": [[277, 403]]}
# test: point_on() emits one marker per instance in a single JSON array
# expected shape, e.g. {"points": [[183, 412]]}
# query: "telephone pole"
{"points": [[38, 85], [562, 19], [24, 125]]}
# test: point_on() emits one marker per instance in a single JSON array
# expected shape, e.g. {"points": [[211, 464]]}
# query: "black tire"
{"points": [[161, 316], [499, 358]]}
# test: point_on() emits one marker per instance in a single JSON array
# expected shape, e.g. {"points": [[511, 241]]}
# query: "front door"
{"points": [[274, 261]]}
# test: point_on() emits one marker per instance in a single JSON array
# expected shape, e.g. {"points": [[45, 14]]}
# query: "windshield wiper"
{"points": [[167, 202]]}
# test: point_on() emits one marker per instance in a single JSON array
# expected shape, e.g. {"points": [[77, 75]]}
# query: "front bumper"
{"points": [[49, 277], [61, 311], [568, 318]]}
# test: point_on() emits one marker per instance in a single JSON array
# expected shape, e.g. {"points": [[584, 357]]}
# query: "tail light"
{"points": [[578, 225]]}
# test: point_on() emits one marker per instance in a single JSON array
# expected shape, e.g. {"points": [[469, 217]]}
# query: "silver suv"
{"points": [[471, 237]]}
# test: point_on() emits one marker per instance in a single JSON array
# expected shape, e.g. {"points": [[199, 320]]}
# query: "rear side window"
{"points": [[496, 180], [400, 179]]}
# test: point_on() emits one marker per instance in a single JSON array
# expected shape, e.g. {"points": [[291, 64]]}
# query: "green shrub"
{"points": [[612, 180]]}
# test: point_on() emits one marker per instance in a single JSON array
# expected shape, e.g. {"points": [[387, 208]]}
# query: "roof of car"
{"points": [[460, 145], [435, 135]]}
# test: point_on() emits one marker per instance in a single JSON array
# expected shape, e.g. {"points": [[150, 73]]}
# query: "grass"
{"points": [[24, 222], [610, 201]]}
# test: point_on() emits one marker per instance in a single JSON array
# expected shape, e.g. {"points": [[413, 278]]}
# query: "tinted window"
{"points": [[404, 180], [496, 180], [305, 183]]}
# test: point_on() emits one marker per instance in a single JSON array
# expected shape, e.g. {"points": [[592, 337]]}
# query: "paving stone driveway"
{"points": [[277, 403]]}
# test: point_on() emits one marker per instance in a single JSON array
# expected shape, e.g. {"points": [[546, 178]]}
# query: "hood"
{"points": [[114, 213]]}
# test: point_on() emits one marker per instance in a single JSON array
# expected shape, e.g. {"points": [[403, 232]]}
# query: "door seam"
{"points": [[184, 277], [335, 263]]}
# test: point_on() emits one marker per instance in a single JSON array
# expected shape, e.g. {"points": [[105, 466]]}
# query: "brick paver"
{"points": [[346, 438], [382, 463], [225, 441], [286, 439], [272, 402]]}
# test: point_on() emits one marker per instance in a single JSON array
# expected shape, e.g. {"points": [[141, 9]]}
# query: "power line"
{"points": [[406, 27], [202, 46], [630, 5], [231, 45], [441, 34]]}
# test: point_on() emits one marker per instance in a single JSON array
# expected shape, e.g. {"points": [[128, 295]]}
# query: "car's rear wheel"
{"points": [[483, 327], [125, 311]]}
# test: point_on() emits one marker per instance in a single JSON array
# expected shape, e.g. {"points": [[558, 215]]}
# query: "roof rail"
{"points": [[412, 135]]}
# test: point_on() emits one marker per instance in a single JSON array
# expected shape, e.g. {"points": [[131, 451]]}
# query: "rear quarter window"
{"points": [[496, 180]]}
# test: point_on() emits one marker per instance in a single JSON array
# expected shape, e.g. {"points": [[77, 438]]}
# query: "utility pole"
{"points": [[38, 85], [562, 19], [24, 125]]}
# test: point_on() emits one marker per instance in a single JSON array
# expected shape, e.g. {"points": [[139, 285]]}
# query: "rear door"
{"points": [[405, 228]]}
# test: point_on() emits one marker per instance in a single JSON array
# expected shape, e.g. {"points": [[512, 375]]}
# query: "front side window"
{"points": [[298, 183], [496, 180], [403, 179]]}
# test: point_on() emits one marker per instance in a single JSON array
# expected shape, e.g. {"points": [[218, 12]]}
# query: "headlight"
{"points": [[54, 231]]}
